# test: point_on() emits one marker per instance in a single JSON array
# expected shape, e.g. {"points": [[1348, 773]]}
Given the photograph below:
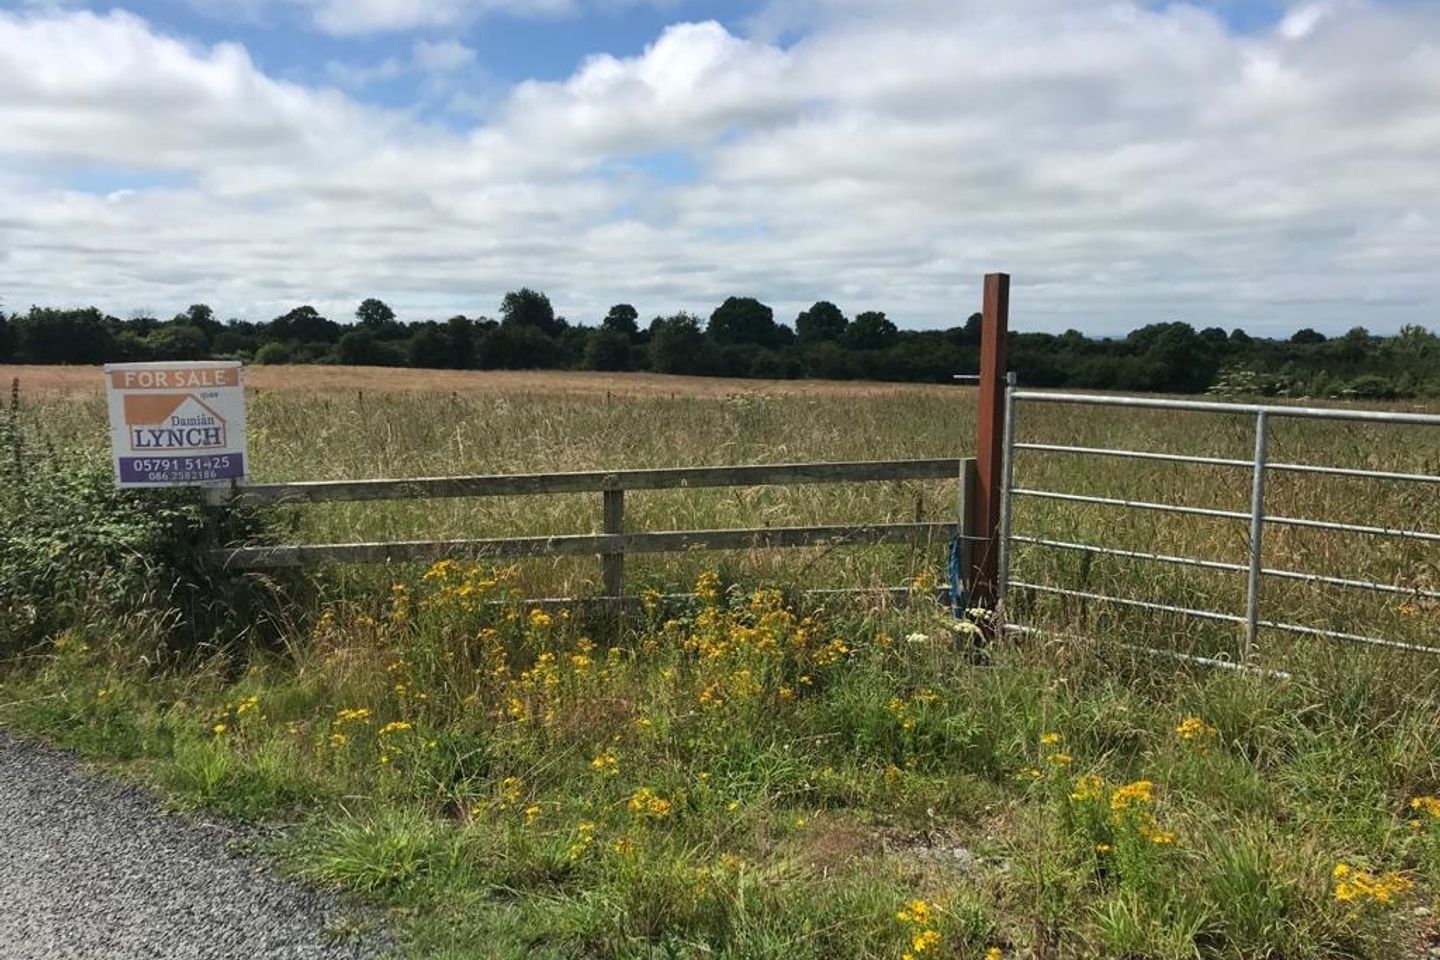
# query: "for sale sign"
{"points": [[175, 424]]}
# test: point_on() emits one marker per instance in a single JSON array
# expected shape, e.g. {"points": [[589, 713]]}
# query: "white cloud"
{"points": [[432, 58], [109, 90], [358, 76], [370, 16], [442, 56], [1127, 164], [355, 17]]}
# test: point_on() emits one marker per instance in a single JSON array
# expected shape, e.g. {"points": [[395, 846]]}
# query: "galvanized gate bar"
{"points": [[1354, 528], [1155, 403], [1134, 504], [1124, 602], [1257, 533], [1229, 462], [1132, 554], [1220, 565], [1132, 454]]}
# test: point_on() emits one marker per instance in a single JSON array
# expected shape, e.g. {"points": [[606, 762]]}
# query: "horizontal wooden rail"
{"points": [[427, 551], [591, 481]]}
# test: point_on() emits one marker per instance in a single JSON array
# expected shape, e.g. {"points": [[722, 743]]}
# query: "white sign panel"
{"points": [[177, 424]]}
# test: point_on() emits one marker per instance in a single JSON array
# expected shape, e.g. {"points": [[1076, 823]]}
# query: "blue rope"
{"points": [[957, 588]]}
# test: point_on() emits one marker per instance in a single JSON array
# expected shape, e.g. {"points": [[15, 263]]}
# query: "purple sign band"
{"points": [[200, 468]]}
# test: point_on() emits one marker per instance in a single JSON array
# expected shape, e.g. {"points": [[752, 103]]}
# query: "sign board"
{"points": [[177, 424]]}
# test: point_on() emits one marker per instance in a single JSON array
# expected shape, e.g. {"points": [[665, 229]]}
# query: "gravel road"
{"points": [[96, 870]]}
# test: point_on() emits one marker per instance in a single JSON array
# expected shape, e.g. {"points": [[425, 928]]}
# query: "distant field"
{"points": [[312, 423], [392, 379]]}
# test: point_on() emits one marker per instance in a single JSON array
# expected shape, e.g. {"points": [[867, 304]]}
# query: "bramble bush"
{"points": [[77, 551]]}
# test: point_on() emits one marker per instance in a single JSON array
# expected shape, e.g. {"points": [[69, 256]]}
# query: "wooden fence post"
{"points": [[612, 565], [990, 441]]}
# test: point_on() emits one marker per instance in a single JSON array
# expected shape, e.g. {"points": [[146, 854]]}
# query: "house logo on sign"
{"points": [[172, 421]]}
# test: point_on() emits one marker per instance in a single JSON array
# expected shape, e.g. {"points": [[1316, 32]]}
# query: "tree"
{"points": [[871, 330], [64, 336], [519, 348], [461, 333], [305, 324], [829, 361], [609, 350], [823, 321], [530, 308], [7, 342], [178, 341], [623, 319], [200, 315], [430, 349], [741, 320], [361, 347], [272, 352], [202, 318], [973, 326], [678, 346], [1307, 336], [376, 316], [1176, 357]]}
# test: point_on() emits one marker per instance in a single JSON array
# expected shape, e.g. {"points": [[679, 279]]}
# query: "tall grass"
{"points": [[353, 434], [752, 775]]}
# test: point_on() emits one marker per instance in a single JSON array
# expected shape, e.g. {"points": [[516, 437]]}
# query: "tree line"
{"points": [[742, 338]]}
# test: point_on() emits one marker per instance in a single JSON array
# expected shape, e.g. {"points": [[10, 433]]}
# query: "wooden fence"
{"points": [[613, 542]]}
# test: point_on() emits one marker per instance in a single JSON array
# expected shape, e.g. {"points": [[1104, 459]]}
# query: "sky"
{"points": [[1268, 165]]}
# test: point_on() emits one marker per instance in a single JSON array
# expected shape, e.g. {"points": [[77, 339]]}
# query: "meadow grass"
{"points": [[532, 423], [749, 774]]}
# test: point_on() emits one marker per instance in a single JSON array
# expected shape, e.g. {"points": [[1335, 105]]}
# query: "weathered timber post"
{"points": [[612, 565], [990, 443]]}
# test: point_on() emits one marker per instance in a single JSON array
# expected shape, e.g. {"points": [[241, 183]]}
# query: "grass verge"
{"points": [[747, 778]]}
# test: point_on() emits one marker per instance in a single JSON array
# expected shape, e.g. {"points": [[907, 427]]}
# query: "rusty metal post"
{"points": [[990, 441]]}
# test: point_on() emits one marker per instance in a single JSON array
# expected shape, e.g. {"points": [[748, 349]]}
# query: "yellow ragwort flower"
{"points": [[916, 912], [1088, 787], [1132, 794], [1430, 805], [926, 941], [648, 804], [1193, 728]]}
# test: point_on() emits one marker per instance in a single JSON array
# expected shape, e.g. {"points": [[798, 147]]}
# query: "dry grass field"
{"points": [[579, 383], [331, 423]]}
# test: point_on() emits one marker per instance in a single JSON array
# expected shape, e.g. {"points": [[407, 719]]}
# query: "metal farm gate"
{"points": [[1257, 472]]}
